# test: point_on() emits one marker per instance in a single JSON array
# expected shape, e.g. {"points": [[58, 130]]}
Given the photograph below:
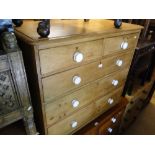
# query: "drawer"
{"points": [[108, 101], [73, 122], [93, 130], [74, 78], [64, 106], [111, 126], [120, 43], [60, 58]]}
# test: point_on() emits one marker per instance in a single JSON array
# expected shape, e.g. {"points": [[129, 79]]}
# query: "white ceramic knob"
{"points": [[113, 119], [76, 80], [96, 123], [78, 57], [115, 82], [110, 101], [74, 124], [100, 65], [124, 45], [75, 103], [109, 130], [119, 62], [135, 37]]}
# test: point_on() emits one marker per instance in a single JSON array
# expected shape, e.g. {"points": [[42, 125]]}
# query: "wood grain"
{"points": [[56, 59], [62, 107]]}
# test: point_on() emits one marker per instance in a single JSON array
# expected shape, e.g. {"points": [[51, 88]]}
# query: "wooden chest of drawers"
{"points": [[77, 73]]}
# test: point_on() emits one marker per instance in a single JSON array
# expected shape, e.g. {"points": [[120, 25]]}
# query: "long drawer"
{"points": [[59, 84], [120, 43], [64, 106], [59, 58], [74, 121]]}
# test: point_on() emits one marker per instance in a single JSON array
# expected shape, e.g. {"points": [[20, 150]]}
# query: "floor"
{"points": [[16, 128], [145, 122]]}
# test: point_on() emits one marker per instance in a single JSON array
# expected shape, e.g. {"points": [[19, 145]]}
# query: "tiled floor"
{"points": [[145, 122]]}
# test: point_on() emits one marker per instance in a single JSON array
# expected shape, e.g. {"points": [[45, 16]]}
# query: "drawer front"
{"points": [[111, 126], [108, 101], [74, 78], [59, 58], [61, 108], [120, 43], [73, 122]]}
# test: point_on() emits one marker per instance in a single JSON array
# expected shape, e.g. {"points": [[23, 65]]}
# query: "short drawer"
{"points": [[108, 101], [120, 43], [73, 122], [59, 58], [64, 106], [58, 84]]}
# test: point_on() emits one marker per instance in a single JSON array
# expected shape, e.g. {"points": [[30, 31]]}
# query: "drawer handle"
{"points": [[74, 124], [119, 62], [113, 119], [76, 80], [78, 57], [75, 103], [110, 101], [100, 65], [110, 130], [124, 45], [96, 123], [115, 82]]}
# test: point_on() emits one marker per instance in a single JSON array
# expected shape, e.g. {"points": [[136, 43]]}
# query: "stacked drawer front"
{"points": [[83, 80]]}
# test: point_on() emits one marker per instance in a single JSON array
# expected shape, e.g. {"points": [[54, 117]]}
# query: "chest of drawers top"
{"points": [[69, 29]]}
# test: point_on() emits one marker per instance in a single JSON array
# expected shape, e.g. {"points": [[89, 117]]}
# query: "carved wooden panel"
{"points": [[8, 99]]}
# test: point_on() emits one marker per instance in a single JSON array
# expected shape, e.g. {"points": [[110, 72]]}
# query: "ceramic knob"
{"points": [[119, 62], [100, 65], [109, 130], [110, 101], [76, 80], [78, 57], [74, 124], [124, 45], [96, 123], [113, 119], [115, 82], [75, 103]]}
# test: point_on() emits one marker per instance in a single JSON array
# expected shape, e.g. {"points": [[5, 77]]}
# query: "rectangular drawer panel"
{"points": [[108, 101], [73, 122], [64, 106], [60, 58], [59, 84], [115, 44]]}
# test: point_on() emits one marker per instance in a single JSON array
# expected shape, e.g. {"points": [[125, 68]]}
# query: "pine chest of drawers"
{"points": [[78, 72]]}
